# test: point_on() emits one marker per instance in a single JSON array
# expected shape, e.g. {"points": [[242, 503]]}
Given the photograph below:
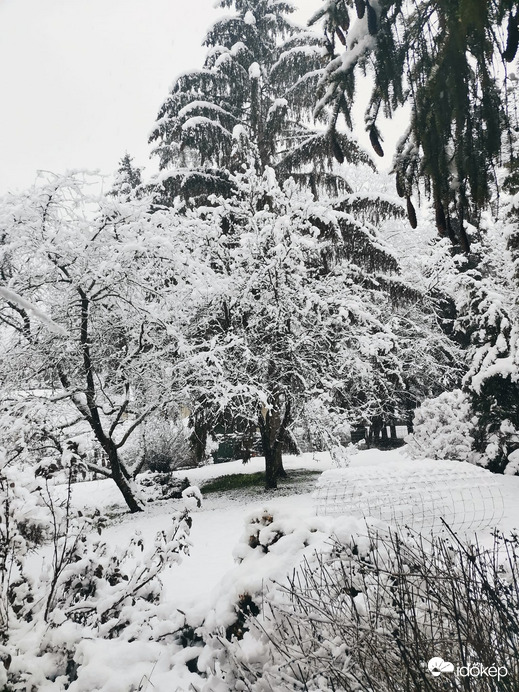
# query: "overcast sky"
{"points": [[81, 81]]}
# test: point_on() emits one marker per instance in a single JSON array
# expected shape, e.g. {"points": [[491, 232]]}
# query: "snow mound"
{"points": [[418, 494]]}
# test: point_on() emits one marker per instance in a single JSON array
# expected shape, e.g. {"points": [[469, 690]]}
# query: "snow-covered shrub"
{"points": [[271, 545], [165, 446], [192, 497], [162, 486], [104, 587], [161, 447], [86, 592], [38, 433], [24, 524], [369, 609], [444, 428], [322, 428]]}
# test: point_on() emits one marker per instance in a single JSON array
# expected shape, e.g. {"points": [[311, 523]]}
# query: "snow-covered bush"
{"points": [[24, 524], [367, 612], [162, 446], [444, 429], [271, 545], [162, 486], [322, 427], [86, 592]]}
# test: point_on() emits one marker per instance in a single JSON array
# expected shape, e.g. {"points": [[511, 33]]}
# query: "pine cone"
{"points": [[411, 213], [336, 148], [360, 6], [400, 188], [372, 19], [512, 39], [441, 221], [375, 142], [344, 21], [340, 36]]}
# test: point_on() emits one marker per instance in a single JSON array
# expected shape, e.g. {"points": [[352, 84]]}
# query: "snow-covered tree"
{"points": [[128, 179], [447, 61], [488, 311], [251, 101], [103, 269], [441, 58], [484, 321], [300, 309]]}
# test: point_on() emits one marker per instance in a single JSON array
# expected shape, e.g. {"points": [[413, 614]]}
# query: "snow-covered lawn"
{"points": [[218, 525], [208, 583]]}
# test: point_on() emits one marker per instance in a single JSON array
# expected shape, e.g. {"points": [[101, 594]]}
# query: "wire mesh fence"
{"points": [[418, 494]]}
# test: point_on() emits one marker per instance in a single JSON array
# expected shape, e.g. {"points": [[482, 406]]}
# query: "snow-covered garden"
{"points": [[224, 596], [273, 300]]}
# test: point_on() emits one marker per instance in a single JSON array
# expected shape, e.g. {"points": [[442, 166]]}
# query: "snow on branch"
{"points": [[13, 297]]}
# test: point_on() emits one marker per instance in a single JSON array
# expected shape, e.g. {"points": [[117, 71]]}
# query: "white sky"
{"points": [[81, 81]]}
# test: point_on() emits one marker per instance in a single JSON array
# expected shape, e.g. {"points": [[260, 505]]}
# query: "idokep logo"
{"points": [[437, 666]]}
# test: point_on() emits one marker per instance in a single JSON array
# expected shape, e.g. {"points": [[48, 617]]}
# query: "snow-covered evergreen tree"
{"points": [[251, 101], [487, 304], [441, 59], [128, 179], [484, 322]]}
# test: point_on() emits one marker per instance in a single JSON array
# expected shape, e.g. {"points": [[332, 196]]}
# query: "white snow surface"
{"points": [[207, 582], [219, 523], [254, 71]]}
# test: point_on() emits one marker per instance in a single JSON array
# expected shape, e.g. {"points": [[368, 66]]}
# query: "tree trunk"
{"points": [[273, 425], [198, 438], [376, 429], [90, 412], [119, 476], [271, 478], [247, 442], [280, 470]]}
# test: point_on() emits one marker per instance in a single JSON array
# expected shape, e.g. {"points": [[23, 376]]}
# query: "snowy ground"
{"points": [[218, 525], [208, 582]]}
